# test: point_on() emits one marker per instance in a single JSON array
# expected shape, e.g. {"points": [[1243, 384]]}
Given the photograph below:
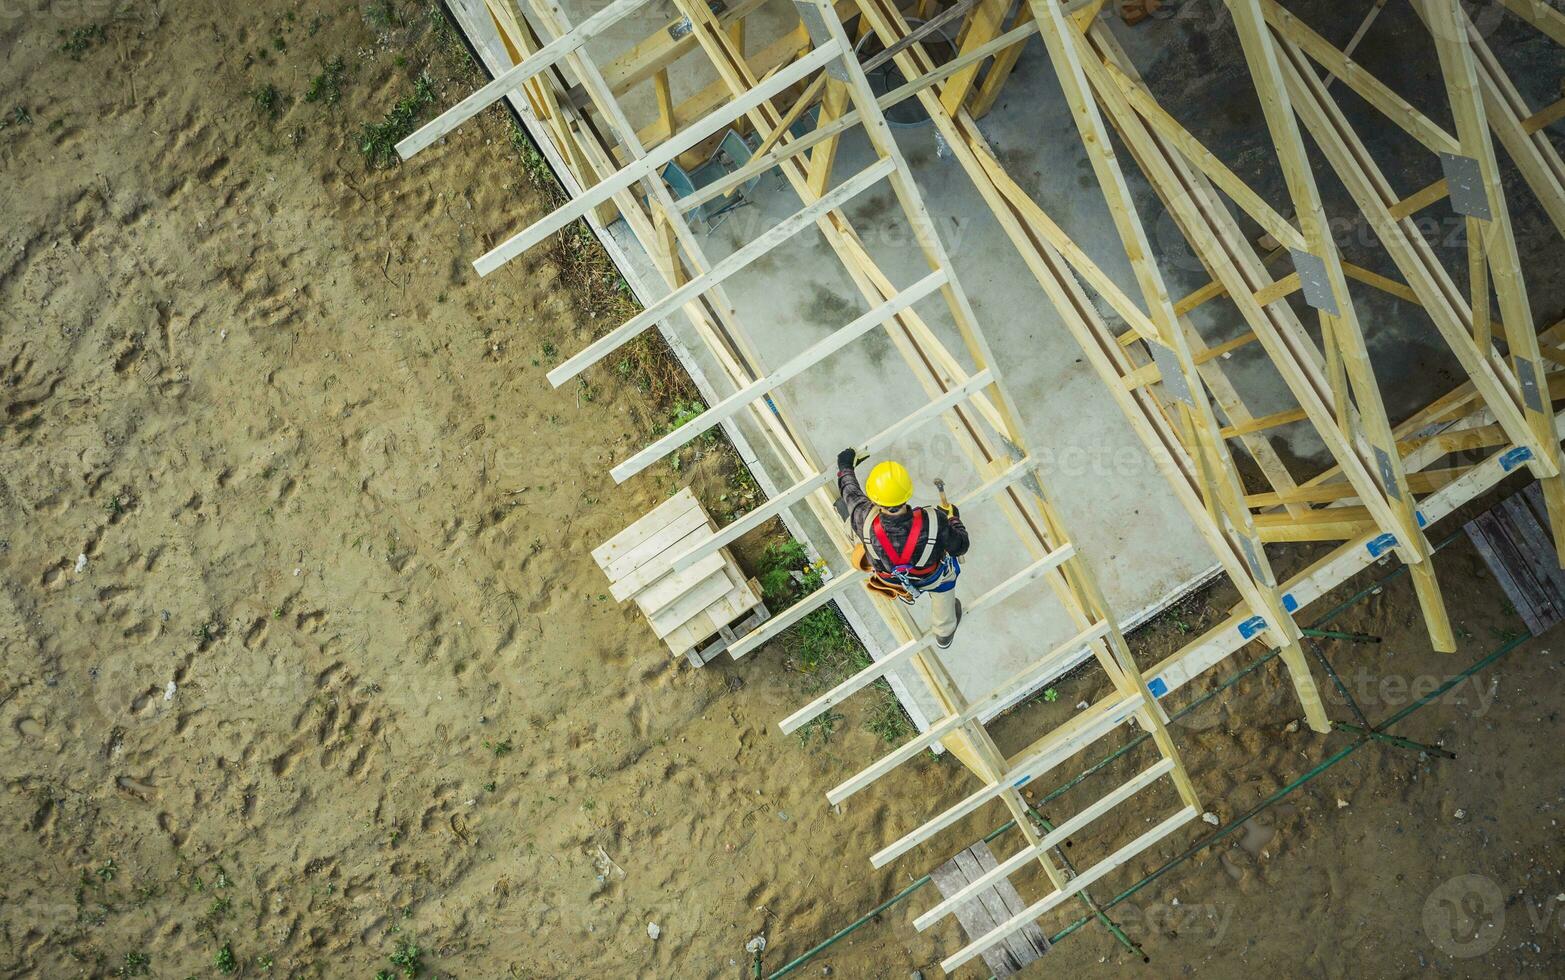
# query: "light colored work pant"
{"points": [[942, 613], [942, 607]]}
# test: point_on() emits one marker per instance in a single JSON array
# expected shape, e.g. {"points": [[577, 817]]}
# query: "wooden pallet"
{"points": [[990, 908], [1513, 537], [698, 612]]}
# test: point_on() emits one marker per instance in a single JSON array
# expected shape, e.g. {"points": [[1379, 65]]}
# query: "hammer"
{"points": [[945, 504]]}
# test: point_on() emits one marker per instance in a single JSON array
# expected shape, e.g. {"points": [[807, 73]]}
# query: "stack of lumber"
{"points": [[700, 611]]}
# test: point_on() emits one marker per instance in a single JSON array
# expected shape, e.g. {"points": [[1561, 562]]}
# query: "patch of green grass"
{"points": [[269, 101], [534, 166], [224, 960], [685, 412], [383, 15], [107, 872], [886, 716], [326, 87], [78, 41], [408, 958], [500, 749], [780, 561], [135, 965], [19, 116], [821, 641], [378, 141]]}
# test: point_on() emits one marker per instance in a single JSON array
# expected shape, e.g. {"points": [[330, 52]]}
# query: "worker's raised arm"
{"points": [[953, 533], [856, 506]]}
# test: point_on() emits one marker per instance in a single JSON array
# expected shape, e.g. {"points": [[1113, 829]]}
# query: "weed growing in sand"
{"points": [[378, 141], [820, 728], [534, 166], [269, 101], [107, 872], [822, 641], [886, 716], [224, 960], [326, 87], [383, 15], [685, 412], [19, 116], [500, 749], [408, 958], [79, 41], [135, 965]]}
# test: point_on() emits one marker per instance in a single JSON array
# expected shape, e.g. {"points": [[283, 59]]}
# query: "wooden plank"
{"points": [[1061, 743], [974, 916], [652, 162], [648, 524], [1533, 541], [1029, 942], [795, 366], [1036, 673], [1053, 838], [1488, 536], [621, 572], [906, 652], [1081, 881], [769, 240], [668, 590], [700, 598], [512, 79], [1014, 950]]}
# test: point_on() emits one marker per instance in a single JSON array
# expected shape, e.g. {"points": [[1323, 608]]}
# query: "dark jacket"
{"points": [[951, 535]]}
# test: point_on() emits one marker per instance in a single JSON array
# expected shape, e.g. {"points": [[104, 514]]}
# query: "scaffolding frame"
{"points": [[1383, 488]]}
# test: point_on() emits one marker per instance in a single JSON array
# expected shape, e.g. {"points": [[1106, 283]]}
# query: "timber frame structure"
{"points": [[1388, 480]]}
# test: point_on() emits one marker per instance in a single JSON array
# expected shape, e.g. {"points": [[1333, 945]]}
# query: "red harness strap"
{"points": [[901, 559]]}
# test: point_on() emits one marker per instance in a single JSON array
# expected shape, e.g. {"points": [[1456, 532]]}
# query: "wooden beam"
{"points": [[661, 155], [811, 356], [752, 251]]}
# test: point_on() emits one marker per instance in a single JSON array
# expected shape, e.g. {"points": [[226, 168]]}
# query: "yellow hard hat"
{"points": [[889, 484]]}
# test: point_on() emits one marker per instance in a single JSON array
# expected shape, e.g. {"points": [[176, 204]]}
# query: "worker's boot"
{"points": [[944, 642]]}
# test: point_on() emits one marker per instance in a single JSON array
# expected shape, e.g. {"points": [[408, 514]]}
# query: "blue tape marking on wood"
{"points": [[1021, 782], [1158, 687], [1381, 545], [1422, 520], [1289, 602], [1514, 458], [1252, 626]]}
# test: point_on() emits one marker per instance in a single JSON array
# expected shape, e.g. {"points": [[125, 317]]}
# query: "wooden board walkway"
{"points": [[989, 909], [1514, 539]]}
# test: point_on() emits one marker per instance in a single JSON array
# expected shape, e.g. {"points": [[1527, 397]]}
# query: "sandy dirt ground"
{"points": [[306, 671]]}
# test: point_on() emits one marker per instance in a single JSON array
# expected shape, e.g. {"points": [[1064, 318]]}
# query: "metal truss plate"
{"points": [[1314, 282], [684, 27], [1464, 178], [1168, 366], [820, 36], [1527, 375], [1388, 475]]}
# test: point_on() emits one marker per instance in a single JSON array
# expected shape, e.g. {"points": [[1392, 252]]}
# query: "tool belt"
{"points": [[875, 583], [943, 581]]}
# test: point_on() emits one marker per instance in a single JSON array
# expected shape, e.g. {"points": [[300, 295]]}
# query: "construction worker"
{"points": [[908, 551]]}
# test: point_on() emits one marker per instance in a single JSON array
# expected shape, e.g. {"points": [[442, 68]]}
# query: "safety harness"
{"points": [[911, 565]]}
